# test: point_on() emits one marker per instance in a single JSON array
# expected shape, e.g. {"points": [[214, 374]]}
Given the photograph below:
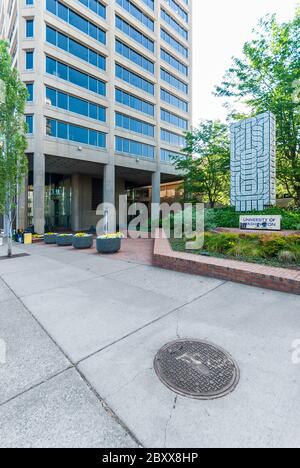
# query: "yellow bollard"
{"points": [[27, 238]]}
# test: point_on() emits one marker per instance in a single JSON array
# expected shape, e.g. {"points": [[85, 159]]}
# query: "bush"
{"points": [[271, 246], [285, 249], [229, 218], [220, 243], [286, 256]]}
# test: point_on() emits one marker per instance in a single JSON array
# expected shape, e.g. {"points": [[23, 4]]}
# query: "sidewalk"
{"points": [[82, 331]]}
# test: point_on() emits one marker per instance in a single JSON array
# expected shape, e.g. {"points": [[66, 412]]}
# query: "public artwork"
{"points": [[253, 163]]}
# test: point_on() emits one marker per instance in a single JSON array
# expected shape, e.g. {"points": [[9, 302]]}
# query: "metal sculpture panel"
{"points": [[253, 163]]}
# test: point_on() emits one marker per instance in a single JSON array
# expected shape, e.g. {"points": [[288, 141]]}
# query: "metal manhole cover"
{"points": [[196, 369]]}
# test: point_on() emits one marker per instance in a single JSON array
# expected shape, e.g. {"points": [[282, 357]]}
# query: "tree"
{"points": [[267, 78], [206, 163], [13, 161]]}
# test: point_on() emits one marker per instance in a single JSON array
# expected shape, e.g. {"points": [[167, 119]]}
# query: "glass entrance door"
{"points": [[58, 199]]}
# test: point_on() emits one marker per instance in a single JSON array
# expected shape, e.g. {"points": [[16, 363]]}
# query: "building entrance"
{"points": [[58, 202]]}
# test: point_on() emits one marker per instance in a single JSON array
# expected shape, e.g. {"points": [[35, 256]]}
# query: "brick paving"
{"points": [[138, 251]]}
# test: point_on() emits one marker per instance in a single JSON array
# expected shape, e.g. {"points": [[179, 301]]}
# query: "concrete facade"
{"points": [[166, 26]]}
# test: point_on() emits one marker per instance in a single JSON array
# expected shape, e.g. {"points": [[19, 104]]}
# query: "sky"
{"points": [[221, 27]]}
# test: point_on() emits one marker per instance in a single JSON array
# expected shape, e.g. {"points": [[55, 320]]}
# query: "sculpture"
{"points": [[253, 163]]}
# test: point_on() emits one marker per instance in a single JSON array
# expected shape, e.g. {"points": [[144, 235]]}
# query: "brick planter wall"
{"points": [[279, 279]]}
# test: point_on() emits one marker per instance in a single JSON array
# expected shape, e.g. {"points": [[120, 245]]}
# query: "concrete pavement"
{"points": [[82, 331]]}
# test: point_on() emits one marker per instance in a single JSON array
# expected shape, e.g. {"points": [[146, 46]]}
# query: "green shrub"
{"points": [[271, 246], [229, 218], [245, 248], [220, 243], [286, 256]]}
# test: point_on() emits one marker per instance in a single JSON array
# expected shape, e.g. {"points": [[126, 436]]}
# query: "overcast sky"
{"points": [[221, 27]]}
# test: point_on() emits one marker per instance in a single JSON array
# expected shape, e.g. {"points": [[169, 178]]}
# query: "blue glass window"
{"points": [[29, 60], [173, 119], [137, 13], [134, 34], [29, 28], [70, 74], [96, 6], [134, 148], [74, 104], [174, 100], [174, 81], [29, 122], [172, 138], [134, 125], [134, 56], [134, 102], [179, 66], [75, 48], [74, 19], [29, 87], [174, 24], [134, 79], [70, 132]]}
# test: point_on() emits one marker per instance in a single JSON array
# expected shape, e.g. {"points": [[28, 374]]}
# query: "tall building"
{"points": [[110, 97]]}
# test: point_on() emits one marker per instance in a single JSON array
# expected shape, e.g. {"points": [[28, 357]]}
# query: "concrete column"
{"points": [[121, 204], [155, 211], [39, 192], [75, 212], [22, 218], [109, 184], [109, 191], [156, 187]]}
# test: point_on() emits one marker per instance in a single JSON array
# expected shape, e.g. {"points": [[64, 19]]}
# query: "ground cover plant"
{"points": [[271, 249]]}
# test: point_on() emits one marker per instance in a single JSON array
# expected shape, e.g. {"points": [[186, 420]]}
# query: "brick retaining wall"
{"points": [[279, 279]]}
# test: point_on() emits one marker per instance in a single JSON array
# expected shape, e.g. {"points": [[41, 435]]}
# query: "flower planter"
{"points": [[108, 246], [64, 241], [83, 242], [50, 239]]}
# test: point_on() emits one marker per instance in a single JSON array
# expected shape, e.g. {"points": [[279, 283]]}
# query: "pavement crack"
{"points": [[177, 327], [170, 419]]}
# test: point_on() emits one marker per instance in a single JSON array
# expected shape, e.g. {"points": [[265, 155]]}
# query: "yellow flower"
{"points": [[115, 235]]}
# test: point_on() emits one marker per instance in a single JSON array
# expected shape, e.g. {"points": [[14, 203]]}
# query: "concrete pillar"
{"points": [[22, 217], [121, 204], [155, 211], [75, 211], [39, 192], [156, 187], [109, 184], [109, 191]]}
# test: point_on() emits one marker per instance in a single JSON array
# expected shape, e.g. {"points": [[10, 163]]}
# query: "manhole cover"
{"points": [[196, 369]]}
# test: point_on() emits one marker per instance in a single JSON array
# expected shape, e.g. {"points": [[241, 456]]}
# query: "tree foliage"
{"points": [[13, 162], [267, 78], [206, 163]]}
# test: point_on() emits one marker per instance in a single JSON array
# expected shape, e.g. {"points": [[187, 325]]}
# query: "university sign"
{"points": [[267, 223]]}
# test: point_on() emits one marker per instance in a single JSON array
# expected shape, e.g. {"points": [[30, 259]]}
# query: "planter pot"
{"points": [[50, 239], [85, 242], [108, 246], [64, 241]]}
